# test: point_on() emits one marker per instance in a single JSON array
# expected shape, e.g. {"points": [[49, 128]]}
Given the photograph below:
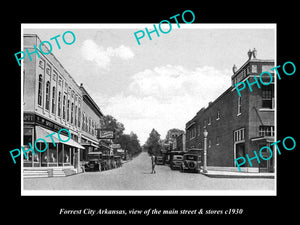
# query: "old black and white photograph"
{"points": [[172, 108]]}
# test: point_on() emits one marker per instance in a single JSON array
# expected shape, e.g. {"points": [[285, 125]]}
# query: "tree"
{"points": [[110, 123], [153, 143], [130, 143]]}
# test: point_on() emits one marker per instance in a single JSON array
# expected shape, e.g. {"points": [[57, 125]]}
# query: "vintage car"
{"points": [[192, 161], [176, 160], [160, 160], [118, 160], [95, 162], [106, 162], [112, 162]]}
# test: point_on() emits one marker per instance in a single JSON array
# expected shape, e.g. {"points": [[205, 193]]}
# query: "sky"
{"points": [[161, 83]]}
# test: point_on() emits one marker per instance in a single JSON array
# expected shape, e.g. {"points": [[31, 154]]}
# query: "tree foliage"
{"points": [[128, 142], [153, 144]]}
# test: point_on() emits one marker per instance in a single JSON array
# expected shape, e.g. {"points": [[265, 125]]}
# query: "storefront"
{"points": [[57, 153], [89, 146], [258, 143]]}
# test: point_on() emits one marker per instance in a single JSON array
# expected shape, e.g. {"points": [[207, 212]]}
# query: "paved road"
{"points": [[136, 175]]}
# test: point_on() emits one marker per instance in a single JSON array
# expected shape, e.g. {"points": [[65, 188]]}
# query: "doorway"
{"points": [[240, 151]]}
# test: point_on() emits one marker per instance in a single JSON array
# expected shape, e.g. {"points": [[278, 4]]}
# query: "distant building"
{"points": [[181, 142], [237, 125], [171, 136]]}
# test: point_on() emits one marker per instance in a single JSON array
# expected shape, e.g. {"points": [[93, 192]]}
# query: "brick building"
{"points": [[238, 125], [52, 100]]}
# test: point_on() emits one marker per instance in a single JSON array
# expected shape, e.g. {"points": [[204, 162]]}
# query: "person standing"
{"points": [[153, 163]]}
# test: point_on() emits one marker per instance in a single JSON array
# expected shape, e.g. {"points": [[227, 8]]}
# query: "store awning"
{"points": [[263, 138], [41, 133]]}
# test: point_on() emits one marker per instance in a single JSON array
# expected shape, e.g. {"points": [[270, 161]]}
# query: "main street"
{"points": [[136, 175]]}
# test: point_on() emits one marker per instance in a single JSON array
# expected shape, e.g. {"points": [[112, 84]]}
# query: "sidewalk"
{"points": [[231, 174]]}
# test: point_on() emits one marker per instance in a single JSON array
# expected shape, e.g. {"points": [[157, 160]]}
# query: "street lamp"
{"points": [[205, 133]]}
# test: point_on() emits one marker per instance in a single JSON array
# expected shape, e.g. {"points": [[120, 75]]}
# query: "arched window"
{"points": [[40, 90], [53, 100], [59, 104], [47, 95], [64, 107], [68, 110], [79, 117], [72, 111], [75, 116]]}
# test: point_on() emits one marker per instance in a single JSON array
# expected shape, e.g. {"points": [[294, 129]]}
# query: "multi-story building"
{"points": [[238, 125], [180, 142], [171, 136], [91, 116], [52, 100]]}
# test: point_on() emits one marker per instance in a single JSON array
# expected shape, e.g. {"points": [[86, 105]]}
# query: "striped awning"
{"points": [[42, 132]]}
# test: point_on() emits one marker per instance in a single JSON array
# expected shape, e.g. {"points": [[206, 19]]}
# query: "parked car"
{"points": [[176, 160], [160, 160], [95, 162], [192, 161], [118, 160], [106, 162]]}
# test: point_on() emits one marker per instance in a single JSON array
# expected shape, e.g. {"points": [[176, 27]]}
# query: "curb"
{"points": [[271, 176]]}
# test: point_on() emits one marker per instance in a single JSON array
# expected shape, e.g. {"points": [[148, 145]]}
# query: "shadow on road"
{"points": [[146, 173]]}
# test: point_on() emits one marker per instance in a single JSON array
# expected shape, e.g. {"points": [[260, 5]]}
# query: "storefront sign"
{"points": [[115, 145], [105, 134], [36, 119]]}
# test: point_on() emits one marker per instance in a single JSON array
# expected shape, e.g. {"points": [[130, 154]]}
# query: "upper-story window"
{"points": [[72, 111], [47, 95], [218, 115], [40, 90], [266, 131], [68, 110], [239, 105], [48, 69], [239, 135], [53, 100], [64, 107], [267, 96], [41, 64], [59, 104], [254, 68]]}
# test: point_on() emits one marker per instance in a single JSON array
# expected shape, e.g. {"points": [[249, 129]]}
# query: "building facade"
{"points": [[238, 125], [52, 100], [91, 117]]}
